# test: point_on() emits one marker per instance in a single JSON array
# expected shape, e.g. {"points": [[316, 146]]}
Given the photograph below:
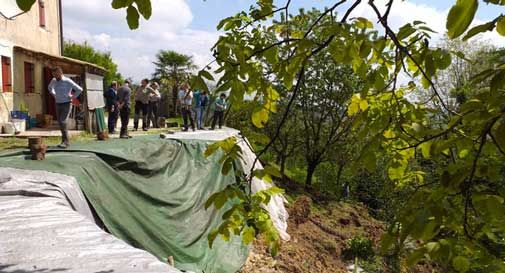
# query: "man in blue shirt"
{"points": [[112, 107], [61, 88], [197, 106], [200, 106]]}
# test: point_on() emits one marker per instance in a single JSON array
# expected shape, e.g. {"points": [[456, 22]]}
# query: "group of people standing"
{"points": [[194, 104], [118, 105], [147, 98]]}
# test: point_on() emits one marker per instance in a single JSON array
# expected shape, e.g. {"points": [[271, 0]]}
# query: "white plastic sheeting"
{"points": [[47, 226], [275, 207]]}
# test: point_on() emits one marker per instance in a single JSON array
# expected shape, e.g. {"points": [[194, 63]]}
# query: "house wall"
{"points": [[25, 30], [5, 97], [33, 101]]}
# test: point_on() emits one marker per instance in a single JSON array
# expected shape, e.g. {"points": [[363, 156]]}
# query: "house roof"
{"points": [[95, 68]]}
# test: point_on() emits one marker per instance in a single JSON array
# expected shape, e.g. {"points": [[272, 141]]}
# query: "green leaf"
{"points": [[211, 149], [496, 2], [132, 17], [25, 5], [273, 171], [220, 199], [432, 247], [145, 8], [274, 248], [369, 159], [118, 4], [498, 81], [248, 235], [482, 76], [211, 200], [426, 149], [489, 26], [416, 256], [260, 117], [227, 166], [460, 17], [461, 264], [363, 104], [274, 191], [259, 138], [205, 74], [387, 241], [212, 237], [363, 23], [405, 31], [499, 135], [500, 26], [198, 83]]}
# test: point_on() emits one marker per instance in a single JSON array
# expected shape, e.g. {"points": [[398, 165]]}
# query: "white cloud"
{"points": [[134, 51], [169, 28], [404, 12]]}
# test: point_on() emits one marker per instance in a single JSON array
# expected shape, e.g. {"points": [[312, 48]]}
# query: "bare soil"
{"points": [[317, 239]]}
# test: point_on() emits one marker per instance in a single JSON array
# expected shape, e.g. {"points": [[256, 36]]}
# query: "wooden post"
{"points": [[87, 116]]}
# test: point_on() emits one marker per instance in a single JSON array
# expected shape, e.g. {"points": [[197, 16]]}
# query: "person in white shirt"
{"points": [[154, 100], [61, 88], [186, 102]]}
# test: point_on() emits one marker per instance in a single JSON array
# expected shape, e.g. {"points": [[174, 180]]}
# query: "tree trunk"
{"points": [[283, 165], [173, 107], [339, 176], [311, 168]]}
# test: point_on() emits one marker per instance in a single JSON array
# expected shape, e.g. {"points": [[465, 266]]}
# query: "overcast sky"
{"points": [[189, 26]]}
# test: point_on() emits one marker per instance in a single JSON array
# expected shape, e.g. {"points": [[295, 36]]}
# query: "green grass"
{"points": [[178, 120], [9, 143]]}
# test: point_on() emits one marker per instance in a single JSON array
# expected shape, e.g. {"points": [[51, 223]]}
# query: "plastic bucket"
{"points": [[33, 122], [8, 128], [19, 124]]}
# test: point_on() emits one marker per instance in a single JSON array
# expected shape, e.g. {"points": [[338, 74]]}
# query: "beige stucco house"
{"points": [[31, 44]]}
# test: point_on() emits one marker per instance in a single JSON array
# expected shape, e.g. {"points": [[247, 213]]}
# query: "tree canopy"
{"points": [[456, 213], [85, 52], [173, 69]]}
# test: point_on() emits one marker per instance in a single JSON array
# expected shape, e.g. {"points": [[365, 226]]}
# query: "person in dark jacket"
{"points": [[201, 106], [112, 107], [123, 97]]}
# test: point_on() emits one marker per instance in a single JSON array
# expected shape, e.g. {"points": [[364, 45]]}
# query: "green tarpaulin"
{"points": [[150, 192]]}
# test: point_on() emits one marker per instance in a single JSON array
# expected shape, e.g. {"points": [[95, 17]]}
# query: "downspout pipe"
{"points": [[60, 13]]}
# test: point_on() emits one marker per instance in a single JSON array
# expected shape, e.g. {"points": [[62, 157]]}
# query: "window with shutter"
{"points": [[6, 74], [42, 14], [29, 77]]}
